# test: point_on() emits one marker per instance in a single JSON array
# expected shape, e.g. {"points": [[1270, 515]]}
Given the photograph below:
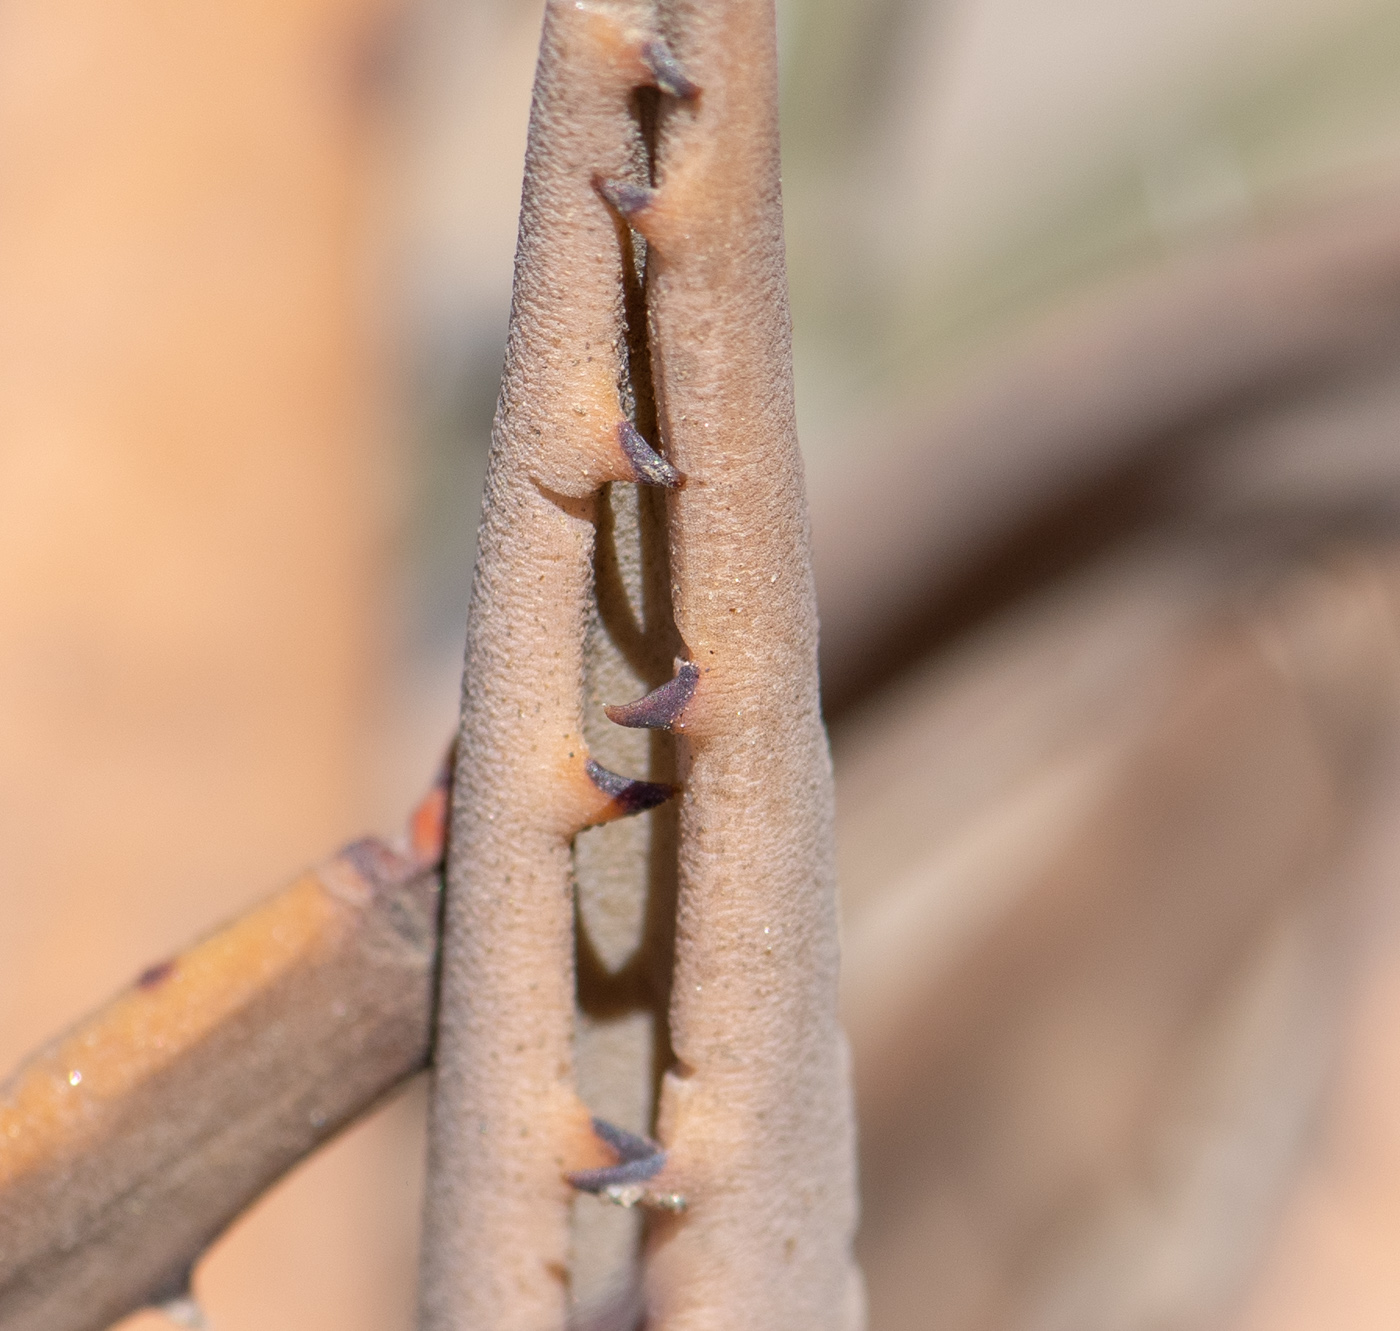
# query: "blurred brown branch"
{"points": [[133, 1140], [1111, 417]]}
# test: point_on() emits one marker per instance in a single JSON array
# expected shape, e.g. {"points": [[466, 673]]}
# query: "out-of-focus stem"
{"points": [[1110, 398]]}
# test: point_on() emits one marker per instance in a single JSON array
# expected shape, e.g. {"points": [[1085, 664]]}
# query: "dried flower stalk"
{"points": [[755, 1115]]}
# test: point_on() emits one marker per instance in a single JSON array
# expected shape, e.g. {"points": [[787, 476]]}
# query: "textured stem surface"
{"points": [[756, 1116], [507, 1122], [760, 1182], [625, 882]]}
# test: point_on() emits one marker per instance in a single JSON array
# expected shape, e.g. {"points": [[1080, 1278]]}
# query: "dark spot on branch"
{"points": [[155, 976]]}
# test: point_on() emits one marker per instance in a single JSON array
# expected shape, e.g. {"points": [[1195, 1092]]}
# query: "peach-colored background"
{"points": [[196, 477]]}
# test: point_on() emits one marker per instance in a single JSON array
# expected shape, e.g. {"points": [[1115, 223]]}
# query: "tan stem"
{"points": [[756, 1116], [506, 1121], [130, 1143]]}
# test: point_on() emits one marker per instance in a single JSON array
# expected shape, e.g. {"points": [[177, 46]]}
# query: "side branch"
{"points": [[128, 1145]]}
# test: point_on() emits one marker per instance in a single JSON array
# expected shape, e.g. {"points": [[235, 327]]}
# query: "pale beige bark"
{"points": [[756, 1113], [130, 1143], [507, 1121]]}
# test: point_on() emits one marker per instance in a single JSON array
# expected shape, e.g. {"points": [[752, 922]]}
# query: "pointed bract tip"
{"points": [[629, 796], [648, 466], [661, 709], [670, 77], [627, 199], [638, 1159]]}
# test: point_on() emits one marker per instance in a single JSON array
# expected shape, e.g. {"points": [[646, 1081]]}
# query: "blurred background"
{"points": [[1097, 319]]}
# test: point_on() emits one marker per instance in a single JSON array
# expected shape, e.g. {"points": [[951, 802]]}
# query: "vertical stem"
{"points": [[756, 1116], [506, 1121]]}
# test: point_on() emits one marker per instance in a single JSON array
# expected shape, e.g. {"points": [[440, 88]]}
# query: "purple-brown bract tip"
{"points": [[638, 1159], [628, 795], [628, 199], [670, 77], [648, 466], [661, 709]]}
